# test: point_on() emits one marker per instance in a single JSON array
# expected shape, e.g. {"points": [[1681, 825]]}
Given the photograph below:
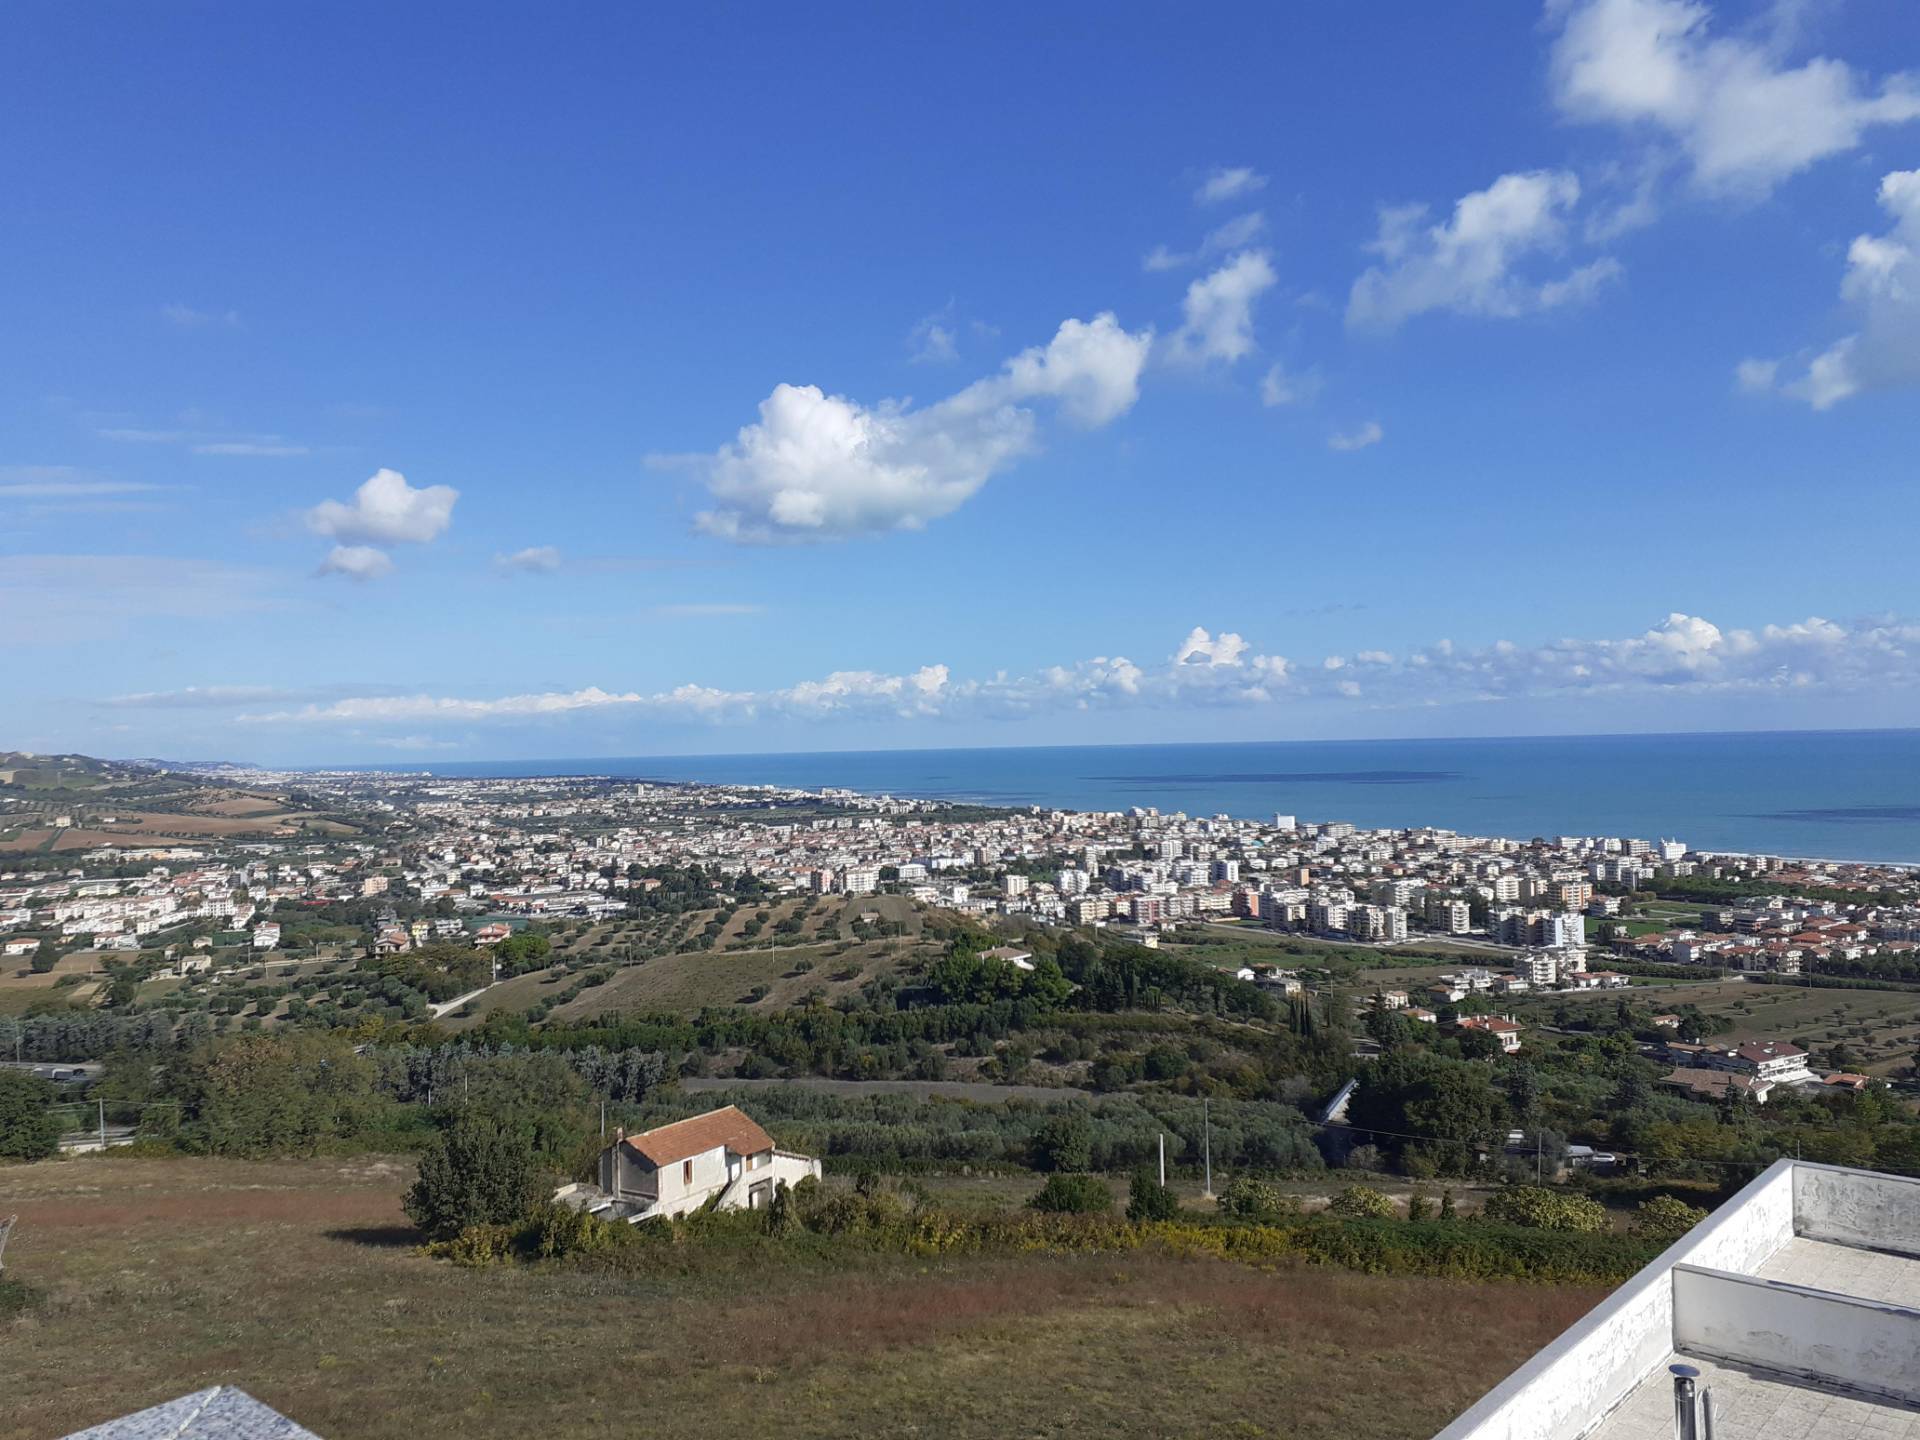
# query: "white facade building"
{"points": [[721, 1156]]}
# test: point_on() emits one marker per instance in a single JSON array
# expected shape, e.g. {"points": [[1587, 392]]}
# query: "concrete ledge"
{"points": [[1863, 1345], [1571, 1386], [1853, 1207]]}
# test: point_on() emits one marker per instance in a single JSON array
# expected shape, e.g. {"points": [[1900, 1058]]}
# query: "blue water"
{"points": [[1843, 795]]}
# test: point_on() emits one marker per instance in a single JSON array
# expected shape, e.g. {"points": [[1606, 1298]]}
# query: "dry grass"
{"points": [[297, 1281]]}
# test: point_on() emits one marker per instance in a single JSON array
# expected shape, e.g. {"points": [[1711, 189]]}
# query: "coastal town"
{"points": [[471, 862]]}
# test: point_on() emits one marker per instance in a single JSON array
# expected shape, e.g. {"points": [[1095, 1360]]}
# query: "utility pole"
{"points": [[1206, 1129], [103, 1123], [603, 1122], [1163, 1159]]}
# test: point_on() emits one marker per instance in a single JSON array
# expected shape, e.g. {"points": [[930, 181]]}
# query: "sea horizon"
{"points": [[1805, 794]]}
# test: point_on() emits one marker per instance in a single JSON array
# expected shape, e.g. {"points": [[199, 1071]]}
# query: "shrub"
{"points": [[1538, 1208], [1256, 1200], [1148, 1199], [1064, 1143], [1471, 1251], [1361, 1202], [479, 1172], [1073, 1195], [1665, 1218], [28, 1129]]}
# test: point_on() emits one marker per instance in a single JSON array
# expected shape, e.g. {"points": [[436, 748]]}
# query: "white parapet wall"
{"points": [[1569, 1387], [1841, 1340], [1854, 1207]]}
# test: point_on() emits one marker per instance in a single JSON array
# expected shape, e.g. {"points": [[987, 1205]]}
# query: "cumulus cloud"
{"points": [[1682, 653], [1200, 648], [534, 560], [1225, 182], [822, 467], [1370, 433], [1467, 263], [387, 510], [1882, 290], [1217, 314], [1743, 116], [357, 562]]}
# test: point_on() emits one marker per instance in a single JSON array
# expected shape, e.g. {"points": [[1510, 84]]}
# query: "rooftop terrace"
{"points": [[1798, 1302]]}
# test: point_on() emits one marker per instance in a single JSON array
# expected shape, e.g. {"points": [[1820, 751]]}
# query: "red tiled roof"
{"points": [[731, 1127]]}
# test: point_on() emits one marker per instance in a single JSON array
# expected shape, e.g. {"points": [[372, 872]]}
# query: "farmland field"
{"points": [[1882, 1027], [299, 1282]]}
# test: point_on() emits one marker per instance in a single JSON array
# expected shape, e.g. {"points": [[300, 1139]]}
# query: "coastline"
{"points": [[656, 770]]}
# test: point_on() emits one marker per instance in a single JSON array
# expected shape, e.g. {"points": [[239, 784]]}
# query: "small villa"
{"points": [[722, 1157]]}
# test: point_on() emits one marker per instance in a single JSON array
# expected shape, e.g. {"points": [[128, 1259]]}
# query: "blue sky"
{"points": [[466, 383]]}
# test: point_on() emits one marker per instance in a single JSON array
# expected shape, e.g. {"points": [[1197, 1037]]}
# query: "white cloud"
{"points": [[1684, 654], [216, 697], [1229, 183], [820, 467], [62, 482], [388, 510], [933, 339], [188, 318], [1279, 386], [209, 442], [1217, 313], [357, 562], [254, 449], [534, 560], [1882, 290], [1234, 234], [1744, 118], [1467, 263], [1368, 434], [1200, 648]]}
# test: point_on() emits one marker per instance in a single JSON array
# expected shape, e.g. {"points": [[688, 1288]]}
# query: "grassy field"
{"points": [[20, 987], [298, 1281]]}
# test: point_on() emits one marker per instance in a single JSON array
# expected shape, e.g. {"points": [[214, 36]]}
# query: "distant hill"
{"points": [[69, 802]]}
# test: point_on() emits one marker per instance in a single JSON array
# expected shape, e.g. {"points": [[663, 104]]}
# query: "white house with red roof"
{"points": [[722, 1157]]}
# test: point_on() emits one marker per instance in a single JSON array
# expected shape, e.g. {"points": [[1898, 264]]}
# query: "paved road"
{"points": [[446, 1007]]}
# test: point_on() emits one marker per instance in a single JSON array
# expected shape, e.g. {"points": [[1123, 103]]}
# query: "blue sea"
{"points": [[1842, 795]]}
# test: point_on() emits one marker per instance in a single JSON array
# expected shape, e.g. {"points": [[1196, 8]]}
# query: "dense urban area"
{"points": [[920, 1034]]}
